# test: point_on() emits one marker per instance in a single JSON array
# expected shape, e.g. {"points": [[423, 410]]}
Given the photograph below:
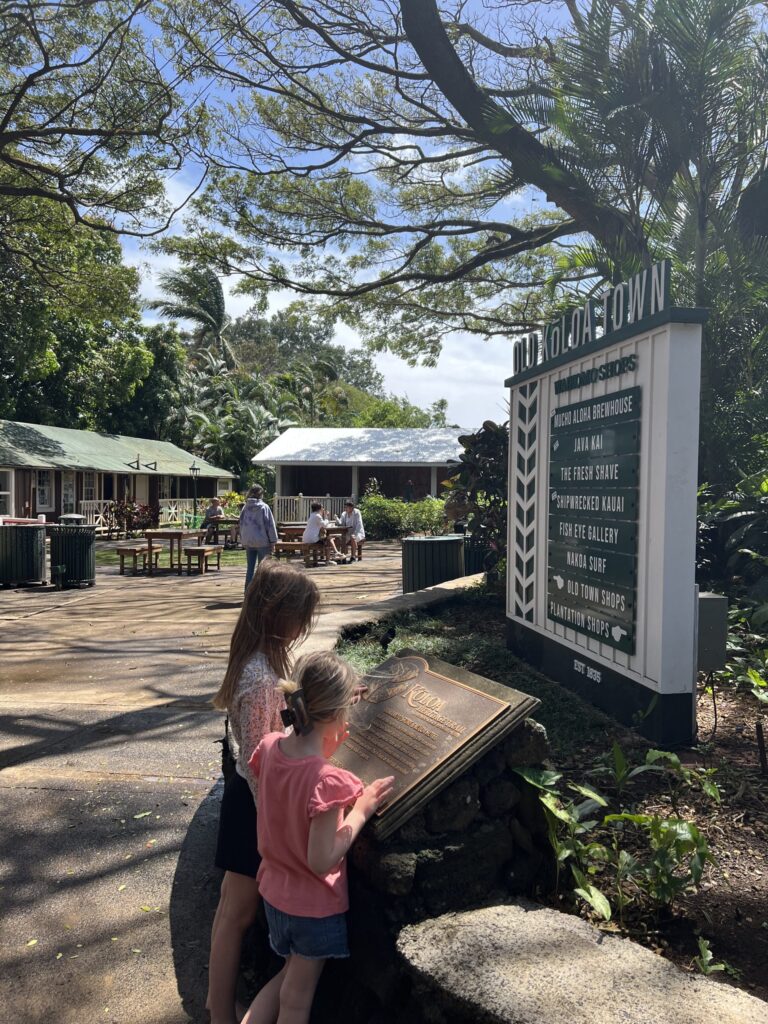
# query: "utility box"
{"points": [[713, 632]]}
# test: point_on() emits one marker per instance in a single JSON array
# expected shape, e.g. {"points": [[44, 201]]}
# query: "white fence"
{"points": [[171, 509], [295, 508]]}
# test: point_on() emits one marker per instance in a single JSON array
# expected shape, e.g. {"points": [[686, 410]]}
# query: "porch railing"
{"points": [[289, 508], [171, 509], [97, 513]]}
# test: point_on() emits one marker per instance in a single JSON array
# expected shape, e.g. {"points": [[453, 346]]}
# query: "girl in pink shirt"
{"points": [[278, 611], [304, 835]]}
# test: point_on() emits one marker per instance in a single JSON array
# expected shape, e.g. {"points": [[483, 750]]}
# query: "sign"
{"points": [[604, 412], [423, 727], [598, 516], [619, 310]]}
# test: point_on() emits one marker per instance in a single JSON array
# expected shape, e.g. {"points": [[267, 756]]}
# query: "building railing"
{"points": [[97, 512], [171, 509], [295, 508]]}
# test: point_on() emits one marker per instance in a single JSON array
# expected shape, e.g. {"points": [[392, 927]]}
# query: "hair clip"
{"points": [[296, 713]]}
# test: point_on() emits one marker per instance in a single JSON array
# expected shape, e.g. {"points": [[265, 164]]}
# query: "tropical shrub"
{"points": [[130, 516], [479, 490], [625, 860], [389, 518]]}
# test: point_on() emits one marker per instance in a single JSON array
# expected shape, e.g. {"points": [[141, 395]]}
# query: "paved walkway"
{"points": [[108, 780]]}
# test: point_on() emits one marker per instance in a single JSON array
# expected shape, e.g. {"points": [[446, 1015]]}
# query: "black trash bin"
{"points": [[431, 560], [73, 555], [22, 554]]}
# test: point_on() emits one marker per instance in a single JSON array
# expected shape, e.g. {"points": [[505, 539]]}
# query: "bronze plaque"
{"points": [[424, 728]]}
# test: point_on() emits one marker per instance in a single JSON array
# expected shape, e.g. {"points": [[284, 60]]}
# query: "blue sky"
{"points": [[470, 373]]}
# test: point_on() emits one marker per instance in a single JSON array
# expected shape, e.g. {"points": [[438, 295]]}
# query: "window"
{"points": [[163, 487], [6, 492], [44, 490], [223, 486], [67, 493], [89, 486]]}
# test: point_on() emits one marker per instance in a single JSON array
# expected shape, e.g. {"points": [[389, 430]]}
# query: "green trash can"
{"points": [[475, 553], [73, 555], [22, 554], [431, 560]]}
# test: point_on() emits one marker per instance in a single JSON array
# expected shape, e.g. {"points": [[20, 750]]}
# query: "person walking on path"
{"points": [[304, 834], [258, 533], [278, 612]]}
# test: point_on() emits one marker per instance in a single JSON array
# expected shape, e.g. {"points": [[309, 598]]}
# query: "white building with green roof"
{"points": [[52, 471]]}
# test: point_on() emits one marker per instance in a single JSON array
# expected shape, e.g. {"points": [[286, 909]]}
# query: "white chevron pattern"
{"points": [[522, 554]]}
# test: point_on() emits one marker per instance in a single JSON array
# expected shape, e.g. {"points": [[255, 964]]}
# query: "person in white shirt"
{"points": [[353, 523], [314, 532]]}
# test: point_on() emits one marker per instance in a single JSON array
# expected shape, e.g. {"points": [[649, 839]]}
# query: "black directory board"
{"points": [[594, 474]]}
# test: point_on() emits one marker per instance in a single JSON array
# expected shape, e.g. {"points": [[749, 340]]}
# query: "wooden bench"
{"points": [[203, 553], [288, 547], [309, 552], [134, 550]]}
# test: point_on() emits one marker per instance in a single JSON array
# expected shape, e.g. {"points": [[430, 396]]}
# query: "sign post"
{"points": [[603, 479]]}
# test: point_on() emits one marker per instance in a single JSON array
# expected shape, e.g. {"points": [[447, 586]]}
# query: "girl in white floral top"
{"points": [[278, 611]]}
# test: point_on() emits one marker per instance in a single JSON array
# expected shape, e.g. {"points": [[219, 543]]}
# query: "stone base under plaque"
{"points": [[667, 719]]}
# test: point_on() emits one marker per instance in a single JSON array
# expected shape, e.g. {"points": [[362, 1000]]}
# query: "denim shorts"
{"points": [[314, 938]]}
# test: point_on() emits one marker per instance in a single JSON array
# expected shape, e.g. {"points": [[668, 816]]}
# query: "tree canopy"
{"points": [[387, 156], [92, 116]]}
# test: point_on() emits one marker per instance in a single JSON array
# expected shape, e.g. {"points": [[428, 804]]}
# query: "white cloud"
{"points": [[470, 372]]}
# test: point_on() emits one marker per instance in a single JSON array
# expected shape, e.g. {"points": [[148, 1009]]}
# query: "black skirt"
{"points": [[236, 848]]}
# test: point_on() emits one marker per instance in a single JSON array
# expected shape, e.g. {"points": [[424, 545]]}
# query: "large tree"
{"points": [[94, 116], [387, 155], [72, 347]]}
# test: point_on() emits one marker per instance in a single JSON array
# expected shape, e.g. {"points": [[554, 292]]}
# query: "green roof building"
{"points": [[51, 471]]}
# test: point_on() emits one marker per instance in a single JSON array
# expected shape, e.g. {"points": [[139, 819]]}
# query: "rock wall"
{"points": [[479, 841]]}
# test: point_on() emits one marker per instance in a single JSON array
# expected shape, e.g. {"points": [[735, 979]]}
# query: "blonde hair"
{"points": [[327, 682], [278, 611]]}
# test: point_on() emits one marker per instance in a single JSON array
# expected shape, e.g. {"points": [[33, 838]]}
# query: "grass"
{"points": [[469, 631], [109, 556]]}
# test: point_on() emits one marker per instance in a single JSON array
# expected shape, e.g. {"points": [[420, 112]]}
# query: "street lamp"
{"points": [[194, 472]]}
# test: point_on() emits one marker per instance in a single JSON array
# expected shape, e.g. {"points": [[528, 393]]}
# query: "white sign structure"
{"points": [[602, 505]]}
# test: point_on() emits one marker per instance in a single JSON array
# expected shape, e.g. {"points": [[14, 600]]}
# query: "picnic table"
{"points": [[295, 531], [225, 524], [173, 536]]}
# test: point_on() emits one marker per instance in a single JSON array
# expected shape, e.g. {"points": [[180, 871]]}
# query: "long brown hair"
{"points": [[277, 613]]}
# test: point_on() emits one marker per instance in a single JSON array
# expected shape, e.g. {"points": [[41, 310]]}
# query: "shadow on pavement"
{"points": [[194, 896]]}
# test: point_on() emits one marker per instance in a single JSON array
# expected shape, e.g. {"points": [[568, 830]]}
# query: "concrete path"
{"points": [[109, 765]]}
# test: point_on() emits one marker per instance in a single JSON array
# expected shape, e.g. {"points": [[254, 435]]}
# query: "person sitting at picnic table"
{"points": [[314, 532], [213, 514], [354, 534]]}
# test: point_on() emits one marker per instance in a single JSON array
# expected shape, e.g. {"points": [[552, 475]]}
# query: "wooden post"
{"points": [[355, 483]]}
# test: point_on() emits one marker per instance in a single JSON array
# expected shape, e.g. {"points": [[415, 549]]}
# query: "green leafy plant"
{"points": [[705, 960], [683, 777], [478, 490], [622, 859], [676, 858]]}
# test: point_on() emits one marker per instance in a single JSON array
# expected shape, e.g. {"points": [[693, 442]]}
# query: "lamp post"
{"points": [[194, 472]]}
